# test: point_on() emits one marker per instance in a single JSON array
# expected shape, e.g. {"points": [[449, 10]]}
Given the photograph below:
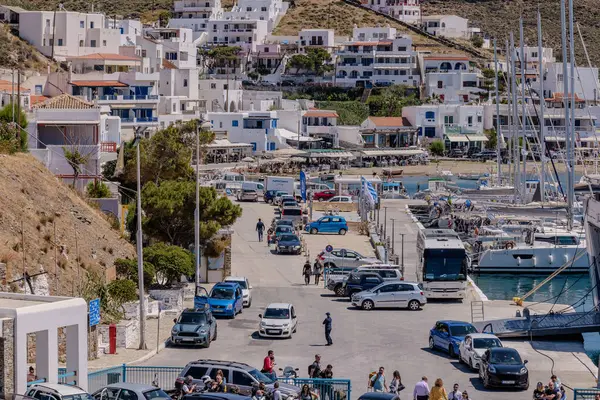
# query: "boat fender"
{"points": [[534, 260], [510, 245], [519, 261], [551, 258], [566, 258]]}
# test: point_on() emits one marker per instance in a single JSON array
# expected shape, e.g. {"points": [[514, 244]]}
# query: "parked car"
{"points": [[474, 346], [57, 391], [288, 243], [359, 282], [503, 366], [246, 288], [344, 258], [130, 391], [286, 197], [391, 294], [293, 213], [279, 196], [456, 153], [446, 335], [323, 195], [328, 224], [243, 376], [282, 221], [194, 327], [247, 195], [340, 199], [387, 272], [288, 203], [278, 320], [282, 230], [269, 195], [485, 155], [226, 299], [215, 396]]}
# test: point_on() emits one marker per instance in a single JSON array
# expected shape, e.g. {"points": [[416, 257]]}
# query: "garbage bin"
{"points": [[113, 377]]}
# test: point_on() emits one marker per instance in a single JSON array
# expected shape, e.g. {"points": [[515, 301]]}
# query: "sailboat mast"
{"points": [[571, 151], [563, 24], [498, 134], [542, 109], [523, 115], [517, 159], [508, 104]]}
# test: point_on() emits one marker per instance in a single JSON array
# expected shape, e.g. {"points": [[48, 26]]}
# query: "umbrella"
{"points": [[248, 159]]}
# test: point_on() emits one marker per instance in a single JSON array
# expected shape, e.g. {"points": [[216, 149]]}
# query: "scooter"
{"points": [[289, 372]]}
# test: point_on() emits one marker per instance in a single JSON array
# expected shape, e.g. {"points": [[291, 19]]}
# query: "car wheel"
{"points": [[368, 305], [313, 231], [270, 201], [207, 345], [215, 336], [460, 359], [431, 343], [414, 305], [339, 290], [451, 351], [342, 231]]}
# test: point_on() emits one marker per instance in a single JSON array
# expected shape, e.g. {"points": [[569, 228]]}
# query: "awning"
{"points": [[331, 154], [457, 138], [123, 106], [589, 139], [98, 84], [391, 152], [289, 152], [226, 144], [477, 138], [555, 139], [289, 135]]}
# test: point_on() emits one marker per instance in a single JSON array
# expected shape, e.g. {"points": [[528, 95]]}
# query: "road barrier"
{"points": [[327, 389], [163, 377], [585, 394]]}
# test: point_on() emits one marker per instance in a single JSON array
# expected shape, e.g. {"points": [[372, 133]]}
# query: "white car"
{"points": [[246, 288], [279, 320], [57, 391], [474, 345], [340, 199]]}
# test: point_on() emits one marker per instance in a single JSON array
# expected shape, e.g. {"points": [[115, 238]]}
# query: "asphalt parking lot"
{"points": [[363, 340]]}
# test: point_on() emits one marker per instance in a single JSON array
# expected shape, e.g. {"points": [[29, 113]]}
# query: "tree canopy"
{"points": [[12, 138], [437, 148], [316, 61], [170, 262], [391, 100], [219, 56]]}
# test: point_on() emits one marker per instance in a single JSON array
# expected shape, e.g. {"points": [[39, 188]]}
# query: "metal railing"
{"points": [[585, 394], [327, 389], [164, 377]]}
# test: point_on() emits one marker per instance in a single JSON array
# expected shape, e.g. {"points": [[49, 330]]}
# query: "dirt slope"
{"points": [[30, 195]]}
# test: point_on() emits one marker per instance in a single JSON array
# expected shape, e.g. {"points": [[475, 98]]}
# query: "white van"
{"points": [[249, 185]]}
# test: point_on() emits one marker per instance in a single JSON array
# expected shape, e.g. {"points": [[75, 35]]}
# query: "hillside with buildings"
{"points": [[61, 234], [506, 19]]}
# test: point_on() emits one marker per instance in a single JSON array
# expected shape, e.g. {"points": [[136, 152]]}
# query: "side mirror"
{"points": [[259, 315], [175, 320], [525, 362]]}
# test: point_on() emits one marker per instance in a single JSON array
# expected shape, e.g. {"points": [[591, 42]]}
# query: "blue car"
{"points": [[289, 243], [328, 224], [447, 335], [226, 299]]}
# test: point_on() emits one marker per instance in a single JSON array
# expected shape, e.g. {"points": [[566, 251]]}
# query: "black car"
{"points": [[503, 366], [378, 396], [358, 282], [485, 155]]}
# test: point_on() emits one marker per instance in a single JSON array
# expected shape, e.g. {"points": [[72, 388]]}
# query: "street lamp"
{"points": [[140, 256], [200, 125]]}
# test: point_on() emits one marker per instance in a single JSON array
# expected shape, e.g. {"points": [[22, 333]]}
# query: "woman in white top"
{"points": [[396, 384]]}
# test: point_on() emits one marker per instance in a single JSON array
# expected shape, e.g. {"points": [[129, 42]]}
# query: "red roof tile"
{"points": [[387, 122], [6, 86], [321, 114], [36, 99]]}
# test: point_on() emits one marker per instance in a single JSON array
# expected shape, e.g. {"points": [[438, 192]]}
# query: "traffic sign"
{"points": [[329, 248], [94, 312]]}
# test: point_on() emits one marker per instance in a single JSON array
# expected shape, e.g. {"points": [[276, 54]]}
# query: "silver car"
{"points": [[131, 391], [247, 195], [391, 294], [344, 258]]}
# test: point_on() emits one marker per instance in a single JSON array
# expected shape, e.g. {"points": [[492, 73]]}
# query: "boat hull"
{"points": [[533, 260]]}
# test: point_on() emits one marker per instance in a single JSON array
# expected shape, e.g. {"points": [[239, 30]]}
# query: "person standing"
{"points": [[327, 322], [326, 388], [438, 391], [306, 271], [421, 391], [31, 375], [268, 364], [276, 391], [260, 227], [314, 370], [378, 381], [396, 385], [455, 394], [317, 272]]}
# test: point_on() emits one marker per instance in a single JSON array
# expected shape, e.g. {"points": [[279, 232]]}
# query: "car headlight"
{"points": [[296, 247], [476, 356], [203, 331], [174, 331], [229, 306], [285, 325], [523, 371], [262, 323], [491, 369]]}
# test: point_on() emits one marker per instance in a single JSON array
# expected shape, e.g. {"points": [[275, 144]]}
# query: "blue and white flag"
{"points": [[369, 191], [303, 185]]}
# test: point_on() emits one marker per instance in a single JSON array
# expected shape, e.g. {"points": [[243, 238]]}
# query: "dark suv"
{"points": [[269, 195], [241, 375], [485, 155], [194, 327], [361, 281]]}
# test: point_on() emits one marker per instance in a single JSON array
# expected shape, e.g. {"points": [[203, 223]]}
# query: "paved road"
{"points": [[396, 339]]}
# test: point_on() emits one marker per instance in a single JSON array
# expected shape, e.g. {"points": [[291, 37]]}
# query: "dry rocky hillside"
{"points": [[32, 198], [499, 17]]}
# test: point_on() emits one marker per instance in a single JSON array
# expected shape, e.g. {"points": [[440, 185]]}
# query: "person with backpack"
{"points": [[377, 381], [314, 369]]}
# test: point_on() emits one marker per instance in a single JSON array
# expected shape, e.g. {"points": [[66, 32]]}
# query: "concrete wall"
{"points": [[170, 299]]}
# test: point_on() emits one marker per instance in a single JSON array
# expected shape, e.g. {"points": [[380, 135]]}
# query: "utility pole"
{"points": [[200, 125], [402, 253], [140, 256], [384, 222], [393, 235]]}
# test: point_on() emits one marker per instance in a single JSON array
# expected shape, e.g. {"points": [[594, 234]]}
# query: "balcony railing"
{"points": [[127, 97], [108, 147]]}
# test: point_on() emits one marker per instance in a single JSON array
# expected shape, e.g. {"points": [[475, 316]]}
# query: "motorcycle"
{"points": [[289, 372]]}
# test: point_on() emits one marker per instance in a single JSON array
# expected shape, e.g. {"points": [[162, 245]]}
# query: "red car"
{"points": [[324, 195]]}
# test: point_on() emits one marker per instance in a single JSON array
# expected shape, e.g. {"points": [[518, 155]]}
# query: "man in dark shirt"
{"points": [[327, 323], [314, 371], [552, 393], [260, 227]]}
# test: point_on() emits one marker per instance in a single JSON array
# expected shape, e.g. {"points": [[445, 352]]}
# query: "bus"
{"points": [[442, 263]]}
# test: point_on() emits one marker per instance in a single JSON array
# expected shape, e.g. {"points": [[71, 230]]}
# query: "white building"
{"points": [[451, 79], [178, 46], [234, 30], [586, 82], [195, 14], [387, 132], [8, 94], [221, 95], [408, 11], [450, 26], [42, 316], [64, 34], [458, 125], [321, 124], [377, 56], [316, 38], [262, 10]]}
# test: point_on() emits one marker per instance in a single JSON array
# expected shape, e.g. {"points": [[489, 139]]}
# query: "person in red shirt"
{"points": [[268, 365]]}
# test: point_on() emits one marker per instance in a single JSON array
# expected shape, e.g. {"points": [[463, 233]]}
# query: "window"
{"points": [[534, 54], [470, 120], [401, 48], [196, 372], [235, 123], [174, 107], [127, 395], [448, 119], [430, 115], [51, 42], [81, 24], [81, 43], [248, 8], [213, 85], [92, 25], [92, 43], [241, 378], [185, 83], [253, 146], [171, 55], [220, 124], [372, 280], [43, 42], [109, 394], [263, 9], [38, 89], [60, 42], [104, 43], [479, 119], [440, 84]]}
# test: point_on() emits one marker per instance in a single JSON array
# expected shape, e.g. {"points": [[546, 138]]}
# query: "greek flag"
{"points": [[369, 191]]}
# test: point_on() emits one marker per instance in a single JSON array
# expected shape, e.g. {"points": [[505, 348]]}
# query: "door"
{"points": [[386, 296], [336, 224], [324, 224], [464, 348], [370, 282], [405, 294], [444, 336], [352, 259], [243, 381], [127, 394]]}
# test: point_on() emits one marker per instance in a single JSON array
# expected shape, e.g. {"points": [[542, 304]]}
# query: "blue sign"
{"points": [[94, 312], [329, 248], [303, 185]]}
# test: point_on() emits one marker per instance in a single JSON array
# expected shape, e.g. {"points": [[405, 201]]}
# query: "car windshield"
{"points": [[192, 318], [462, 330], [241, 283], [506, 357], [288, 238], [259, 376], [277, 313], [486, 343], [156, 394], [282, 229], [221, 293], [79, 396]]}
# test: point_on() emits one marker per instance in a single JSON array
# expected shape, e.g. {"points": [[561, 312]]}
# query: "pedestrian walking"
{"points": [[377, 381], [326, 388], [421, 391], [438, 391], [396, 385], [314, 369], [306, 271], [327, 322], [260, 227], [465, 396], [317, 272], [455, 394]]}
